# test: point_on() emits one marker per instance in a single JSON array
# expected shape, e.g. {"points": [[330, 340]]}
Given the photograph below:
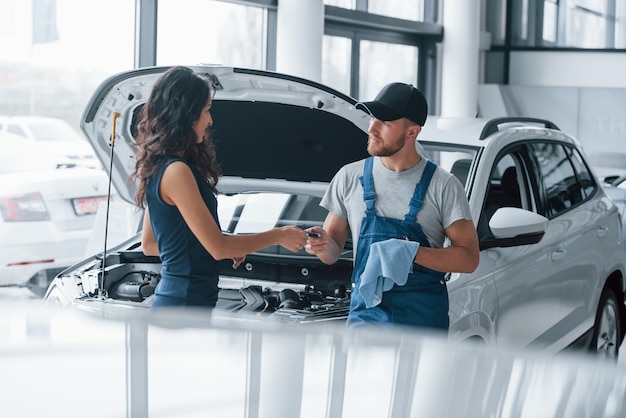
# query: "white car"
{"points": [[552, 267], [47, 209], [615, 188], [52, 135]]}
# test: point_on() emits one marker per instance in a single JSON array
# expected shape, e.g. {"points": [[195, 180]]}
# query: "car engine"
{"points": [[294, 289]]}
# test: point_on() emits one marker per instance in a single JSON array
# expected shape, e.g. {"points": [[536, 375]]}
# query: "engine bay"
{"points": [[287, 288]]}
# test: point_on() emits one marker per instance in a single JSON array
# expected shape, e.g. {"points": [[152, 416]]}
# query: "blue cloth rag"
{"points": [[389, 263]]}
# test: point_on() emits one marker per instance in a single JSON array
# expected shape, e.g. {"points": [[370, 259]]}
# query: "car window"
{"points": [[587, 182], [504, 189], [562, 187], [16, 129], [246, 213], [53, 130], [456, 160]]}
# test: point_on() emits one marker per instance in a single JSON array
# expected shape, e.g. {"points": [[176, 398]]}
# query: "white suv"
{"points": [[552, 268], [551, 271]]}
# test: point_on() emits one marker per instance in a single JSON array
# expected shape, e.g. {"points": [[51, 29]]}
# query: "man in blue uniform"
{"points": [[399, 207]]}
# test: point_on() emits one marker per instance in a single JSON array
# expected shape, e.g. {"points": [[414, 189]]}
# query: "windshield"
{"points": [[54, 130], [453, 158], [247, 213]]}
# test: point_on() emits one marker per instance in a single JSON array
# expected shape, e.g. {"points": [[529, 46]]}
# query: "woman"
{"points": [[177, 173]]}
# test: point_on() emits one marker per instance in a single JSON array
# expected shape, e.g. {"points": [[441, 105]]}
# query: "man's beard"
{"points": [[384, 150]]}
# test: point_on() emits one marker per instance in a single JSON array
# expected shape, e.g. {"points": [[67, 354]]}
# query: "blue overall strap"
{"points": [[367, 181], [420, 191]]}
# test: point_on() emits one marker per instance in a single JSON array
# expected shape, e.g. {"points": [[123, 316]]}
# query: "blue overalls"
{"points": [[423, 300]]}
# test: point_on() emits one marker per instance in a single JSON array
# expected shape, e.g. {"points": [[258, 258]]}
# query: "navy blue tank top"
{"points": [[188, 271]]}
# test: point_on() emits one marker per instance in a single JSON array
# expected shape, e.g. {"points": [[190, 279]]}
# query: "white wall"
{"points": [[568, 69], [584, 93]]}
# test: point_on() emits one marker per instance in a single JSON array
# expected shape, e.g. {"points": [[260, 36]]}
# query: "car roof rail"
{"points": [[493, 125]]}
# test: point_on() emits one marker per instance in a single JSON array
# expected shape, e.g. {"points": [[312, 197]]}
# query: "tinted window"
{"points": [[562, 187], [587, 183], [507, 188], [15, 129]]}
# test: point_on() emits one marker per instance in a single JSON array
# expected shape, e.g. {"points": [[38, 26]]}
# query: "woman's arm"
{"points": [[179, 188]]}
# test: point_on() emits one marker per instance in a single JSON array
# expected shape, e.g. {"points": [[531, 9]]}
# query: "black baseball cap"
{"points": [[395, 101]]}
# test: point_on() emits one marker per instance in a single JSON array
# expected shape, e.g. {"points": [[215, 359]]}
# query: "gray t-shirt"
{"points": [[445, 201]]}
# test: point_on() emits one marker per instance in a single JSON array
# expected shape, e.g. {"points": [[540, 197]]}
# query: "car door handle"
{"points": [[601, 231], [559, 254]]}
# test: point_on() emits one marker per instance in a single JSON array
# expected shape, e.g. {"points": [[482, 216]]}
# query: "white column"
{"points": [[282, 375], [460, 60], [620, 24], [299, 32]]}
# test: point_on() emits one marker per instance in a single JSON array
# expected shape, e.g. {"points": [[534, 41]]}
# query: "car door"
{"points": [[578, 236], [527, 280]]}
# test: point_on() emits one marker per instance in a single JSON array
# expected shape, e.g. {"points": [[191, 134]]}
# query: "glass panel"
{"points": [[593, 24], [246, 213], [562, 187], [375, 68], [585, 28], [53, 54], [456, 160], [401, 9], [261, 212], [215, 32], [336, 53], [599, 6], [588, 184], [550, 10], [346, 4]]}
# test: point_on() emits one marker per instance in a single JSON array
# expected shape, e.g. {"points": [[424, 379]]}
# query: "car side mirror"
{"points": [[514, 226]]}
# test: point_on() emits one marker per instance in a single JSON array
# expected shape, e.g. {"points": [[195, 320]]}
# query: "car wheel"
{"points": [[606, 332]]}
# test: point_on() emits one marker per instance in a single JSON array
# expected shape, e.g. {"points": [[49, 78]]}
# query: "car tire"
{"points": [[606, 331]]}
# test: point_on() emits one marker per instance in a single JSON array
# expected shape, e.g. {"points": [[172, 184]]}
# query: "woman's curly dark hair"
{"points": [[165, 128]]}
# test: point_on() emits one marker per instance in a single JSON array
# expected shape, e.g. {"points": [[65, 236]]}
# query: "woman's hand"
{"points": [[237, 261], [292, 238]]}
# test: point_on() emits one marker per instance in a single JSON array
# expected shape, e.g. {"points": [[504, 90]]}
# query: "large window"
{"points": [[346, 4], [392, 41], [210, 31], [591, 24], [336, 68], [382, 63], [402, 9], [54, 53]]}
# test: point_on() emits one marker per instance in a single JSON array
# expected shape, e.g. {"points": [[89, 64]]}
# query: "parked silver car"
{"points": [[552, 266]]}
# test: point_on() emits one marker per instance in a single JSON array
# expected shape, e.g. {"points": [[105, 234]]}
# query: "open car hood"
{"points": [[266, 126]]}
